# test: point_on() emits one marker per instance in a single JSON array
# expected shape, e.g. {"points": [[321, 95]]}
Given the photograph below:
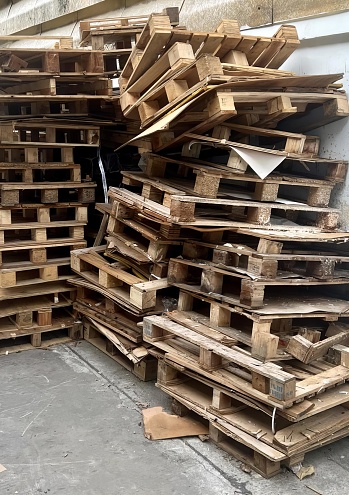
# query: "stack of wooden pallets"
{"points": [[235, 208], [44, 194]]}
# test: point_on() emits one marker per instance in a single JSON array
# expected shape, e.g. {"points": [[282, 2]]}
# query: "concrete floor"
{"points": [[71, 425]]}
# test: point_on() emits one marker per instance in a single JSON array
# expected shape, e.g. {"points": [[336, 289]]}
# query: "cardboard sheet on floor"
{"points": [[2, 468], [159, 425]]}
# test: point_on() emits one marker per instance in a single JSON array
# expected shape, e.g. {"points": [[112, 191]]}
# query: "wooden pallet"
{"points": [[116, 278], [13, 193], [34, 172], [99, 32], [142, 249], [289, 261], [226, 42], [38, 252], [26, 273], [60, 106], [62, 330], [192, 210], [222, 184], [208, 175], [56, 135], [42, 213], [233, 287], [79, 282], [220, 399], [42, 83], [57, 60], [24, 311], [145, 369], [262, 103], [233, 368], [245, 432], [176, 75], [21, 233], [134, 238], [268, 337], [55, 287]]}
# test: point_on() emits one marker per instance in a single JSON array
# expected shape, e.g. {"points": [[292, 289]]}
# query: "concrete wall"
{"points": [[17, 16]]}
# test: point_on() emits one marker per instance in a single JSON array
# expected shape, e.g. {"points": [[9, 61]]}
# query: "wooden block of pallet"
{"points": [[144, 368], [116, 278], [13, 193]]}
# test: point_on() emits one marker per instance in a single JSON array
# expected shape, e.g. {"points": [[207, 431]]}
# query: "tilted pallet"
{"points": [[263, 103], [226, 42], [123, 286], [230, 213]]}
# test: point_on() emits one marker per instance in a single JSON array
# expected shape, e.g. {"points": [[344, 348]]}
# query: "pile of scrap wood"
{"points": [[234, 208]]}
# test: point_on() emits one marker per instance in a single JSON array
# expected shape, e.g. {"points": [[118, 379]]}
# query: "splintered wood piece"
{"points": [[306, 351]]}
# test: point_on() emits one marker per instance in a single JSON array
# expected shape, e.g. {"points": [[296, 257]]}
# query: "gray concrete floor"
{"points": [[71, 425]]}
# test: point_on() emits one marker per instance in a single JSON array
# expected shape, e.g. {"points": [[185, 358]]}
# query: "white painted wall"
{"points": [[324, 50]]}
